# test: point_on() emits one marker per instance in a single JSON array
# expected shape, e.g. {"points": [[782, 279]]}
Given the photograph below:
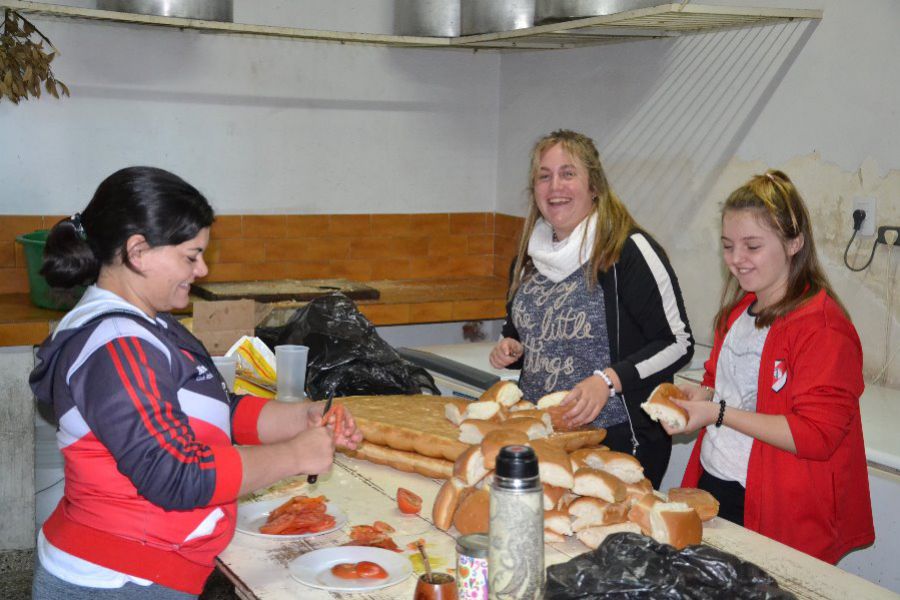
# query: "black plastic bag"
{"points": [[347, 357], [633, 566]]}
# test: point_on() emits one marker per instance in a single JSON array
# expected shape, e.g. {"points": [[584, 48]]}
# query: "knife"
{"points": [[312, 478]]}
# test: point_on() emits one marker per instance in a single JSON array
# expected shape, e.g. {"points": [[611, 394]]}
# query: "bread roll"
{"points": [[469, 467], [598, 484], [624, 466], [552, 494], [482, 410], [472, 431], [495, 440], [640, 511], [551, 403], [486, 481], [473, 514], [558, 521], [533, 428], [592, 537], [522, 405], [505, 393], [661, 408], [635, 491], [702, 501], [454, 410], [445, 503], [553, 464], [675, 523], [541, 415], [593, 512], [551, 537], [401, 460], [573, 440]]}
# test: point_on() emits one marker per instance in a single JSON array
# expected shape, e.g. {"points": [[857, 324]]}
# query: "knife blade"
{"points": [[312, 478]]}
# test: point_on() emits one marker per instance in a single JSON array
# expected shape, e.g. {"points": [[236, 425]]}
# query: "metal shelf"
{"points": [[665, 20]]}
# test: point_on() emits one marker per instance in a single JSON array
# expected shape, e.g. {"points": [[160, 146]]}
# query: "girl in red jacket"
{"points": [[782, 445]]}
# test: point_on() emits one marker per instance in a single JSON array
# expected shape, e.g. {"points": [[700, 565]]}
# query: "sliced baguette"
{"points": [[469, 467], [593, 512], [446, 501], [558, 521], [553, 464], [472, 431], [495, 440]]}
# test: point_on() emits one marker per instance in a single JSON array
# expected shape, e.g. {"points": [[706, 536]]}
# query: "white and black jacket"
{"points": [[649, 335]]}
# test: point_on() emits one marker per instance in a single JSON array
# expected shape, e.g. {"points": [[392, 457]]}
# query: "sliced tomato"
{"points": [[408, 502], [382, 527], [345, 571], [370, 570]]}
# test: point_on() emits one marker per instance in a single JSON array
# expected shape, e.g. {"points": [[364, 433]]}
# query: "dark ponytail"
{"points": [[148, 201]]}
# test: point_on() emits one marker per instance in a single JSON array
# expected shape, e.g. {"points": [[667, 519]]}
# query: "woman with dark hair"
{"points": [[147, 427], [594, 306], [781, 445]]}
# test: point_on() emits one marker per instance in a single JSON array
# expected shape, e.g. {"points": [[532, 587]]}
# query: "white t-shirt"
{"points": [[725, 452]]}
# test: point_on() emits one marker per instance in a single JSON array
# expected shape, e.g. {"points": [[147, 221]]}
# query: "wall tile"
{"points": [[399, 247], [392, 225], [392, 268], [225, 272], [13, 281], [226, 227], [13, 225], [478, 309], [431, 312], [507, 225], [354, 270], [299, 226], [264, 226], [307, 249], [430, 224], [386, 314], [350, 225], [8, 253], [469, 223], [447, 245], [480, 244]]}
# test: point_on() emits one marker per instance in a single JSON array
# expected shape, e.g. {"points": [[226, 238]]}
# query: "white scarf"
{"points": [[558, 260]]}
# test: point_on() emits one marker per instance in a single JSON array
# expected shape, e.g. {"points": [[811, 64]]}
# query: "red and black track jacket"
{"points": [[146, 429]]}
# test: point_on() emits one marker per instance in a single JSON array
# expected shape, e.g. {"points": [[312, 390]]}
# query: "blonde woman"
{"points": [[594, 306]]}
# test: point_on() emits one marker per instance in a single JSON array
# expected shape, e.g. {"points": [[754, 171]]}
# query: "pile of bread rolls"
{"points": [[589, 493]]}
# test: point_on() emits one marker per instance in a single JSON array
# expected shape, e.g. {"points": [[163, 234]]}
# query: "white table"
{"points": [[366, 492]]}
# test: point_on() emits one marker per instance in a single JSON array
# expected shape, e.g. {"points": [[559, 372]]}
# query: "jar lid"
{"points": [[473, 544], [517, 462]]}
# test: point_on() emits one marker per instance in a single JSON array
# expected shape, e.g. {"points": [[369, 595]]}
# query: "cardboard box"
{"points": [[221, 323]]}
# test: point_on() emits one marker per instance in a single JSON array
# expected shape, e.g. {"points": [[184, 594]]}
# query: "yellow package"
{"points": [[255, 368]]}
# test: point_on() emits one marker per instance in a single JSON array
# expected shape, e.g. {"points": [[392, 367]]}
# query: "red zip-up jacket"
{"points": [[816, 500]]}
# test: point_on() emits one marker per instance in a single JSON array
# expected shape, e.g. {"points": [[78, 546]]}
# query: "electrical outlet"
{"points": [[883, 237], [867, 205]]}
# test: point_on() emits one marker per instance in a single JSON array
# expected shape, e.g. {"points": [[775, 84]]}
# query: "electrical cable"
{"points": [[858, 217], [889, 317], [55, 483]]}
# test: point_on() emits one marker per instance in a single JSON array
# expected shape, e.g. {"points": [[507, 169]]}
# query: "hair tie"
{"points": [[79, 228]]}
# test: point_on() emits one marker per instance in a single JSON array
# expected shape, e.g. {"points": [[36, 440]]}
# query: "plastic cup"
{"points": [[290, 371], [226, 366]]}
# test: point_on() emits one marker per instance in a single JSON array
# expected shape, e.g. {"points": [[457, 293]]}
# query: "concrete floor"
{"points": [[16, 571]]}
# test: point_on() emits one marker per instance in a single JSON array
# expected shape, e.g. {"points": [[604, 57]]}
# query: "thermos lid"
{"points": [[517, 462]]}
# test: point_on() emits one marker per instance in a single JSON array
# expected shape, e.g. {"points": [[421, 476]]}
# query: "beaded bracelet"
{"points": [[721, 413], [608, 380]]}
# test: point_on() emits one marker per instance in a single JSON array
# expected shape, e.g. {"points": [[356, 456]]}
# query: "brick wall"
{"points": [[356, 247]]}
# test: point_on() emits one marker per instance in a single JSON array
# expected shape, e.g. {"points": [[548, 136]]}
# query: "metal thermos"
{"points": [[516, 552]]}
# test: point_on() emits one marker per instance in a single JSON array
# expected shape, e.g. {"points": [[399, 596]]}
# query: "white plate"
{"points": [[314, 568], [253, 515]]}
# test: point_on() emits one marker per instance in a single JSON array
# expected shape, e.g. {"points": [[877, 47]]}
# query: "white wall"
{"points": [[681, 122], [260, 125]]}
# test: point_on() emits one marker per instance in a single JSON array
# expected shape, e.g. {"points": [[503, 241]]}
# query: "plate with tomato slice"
{"points": [[350, 568], [254, 518]]}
